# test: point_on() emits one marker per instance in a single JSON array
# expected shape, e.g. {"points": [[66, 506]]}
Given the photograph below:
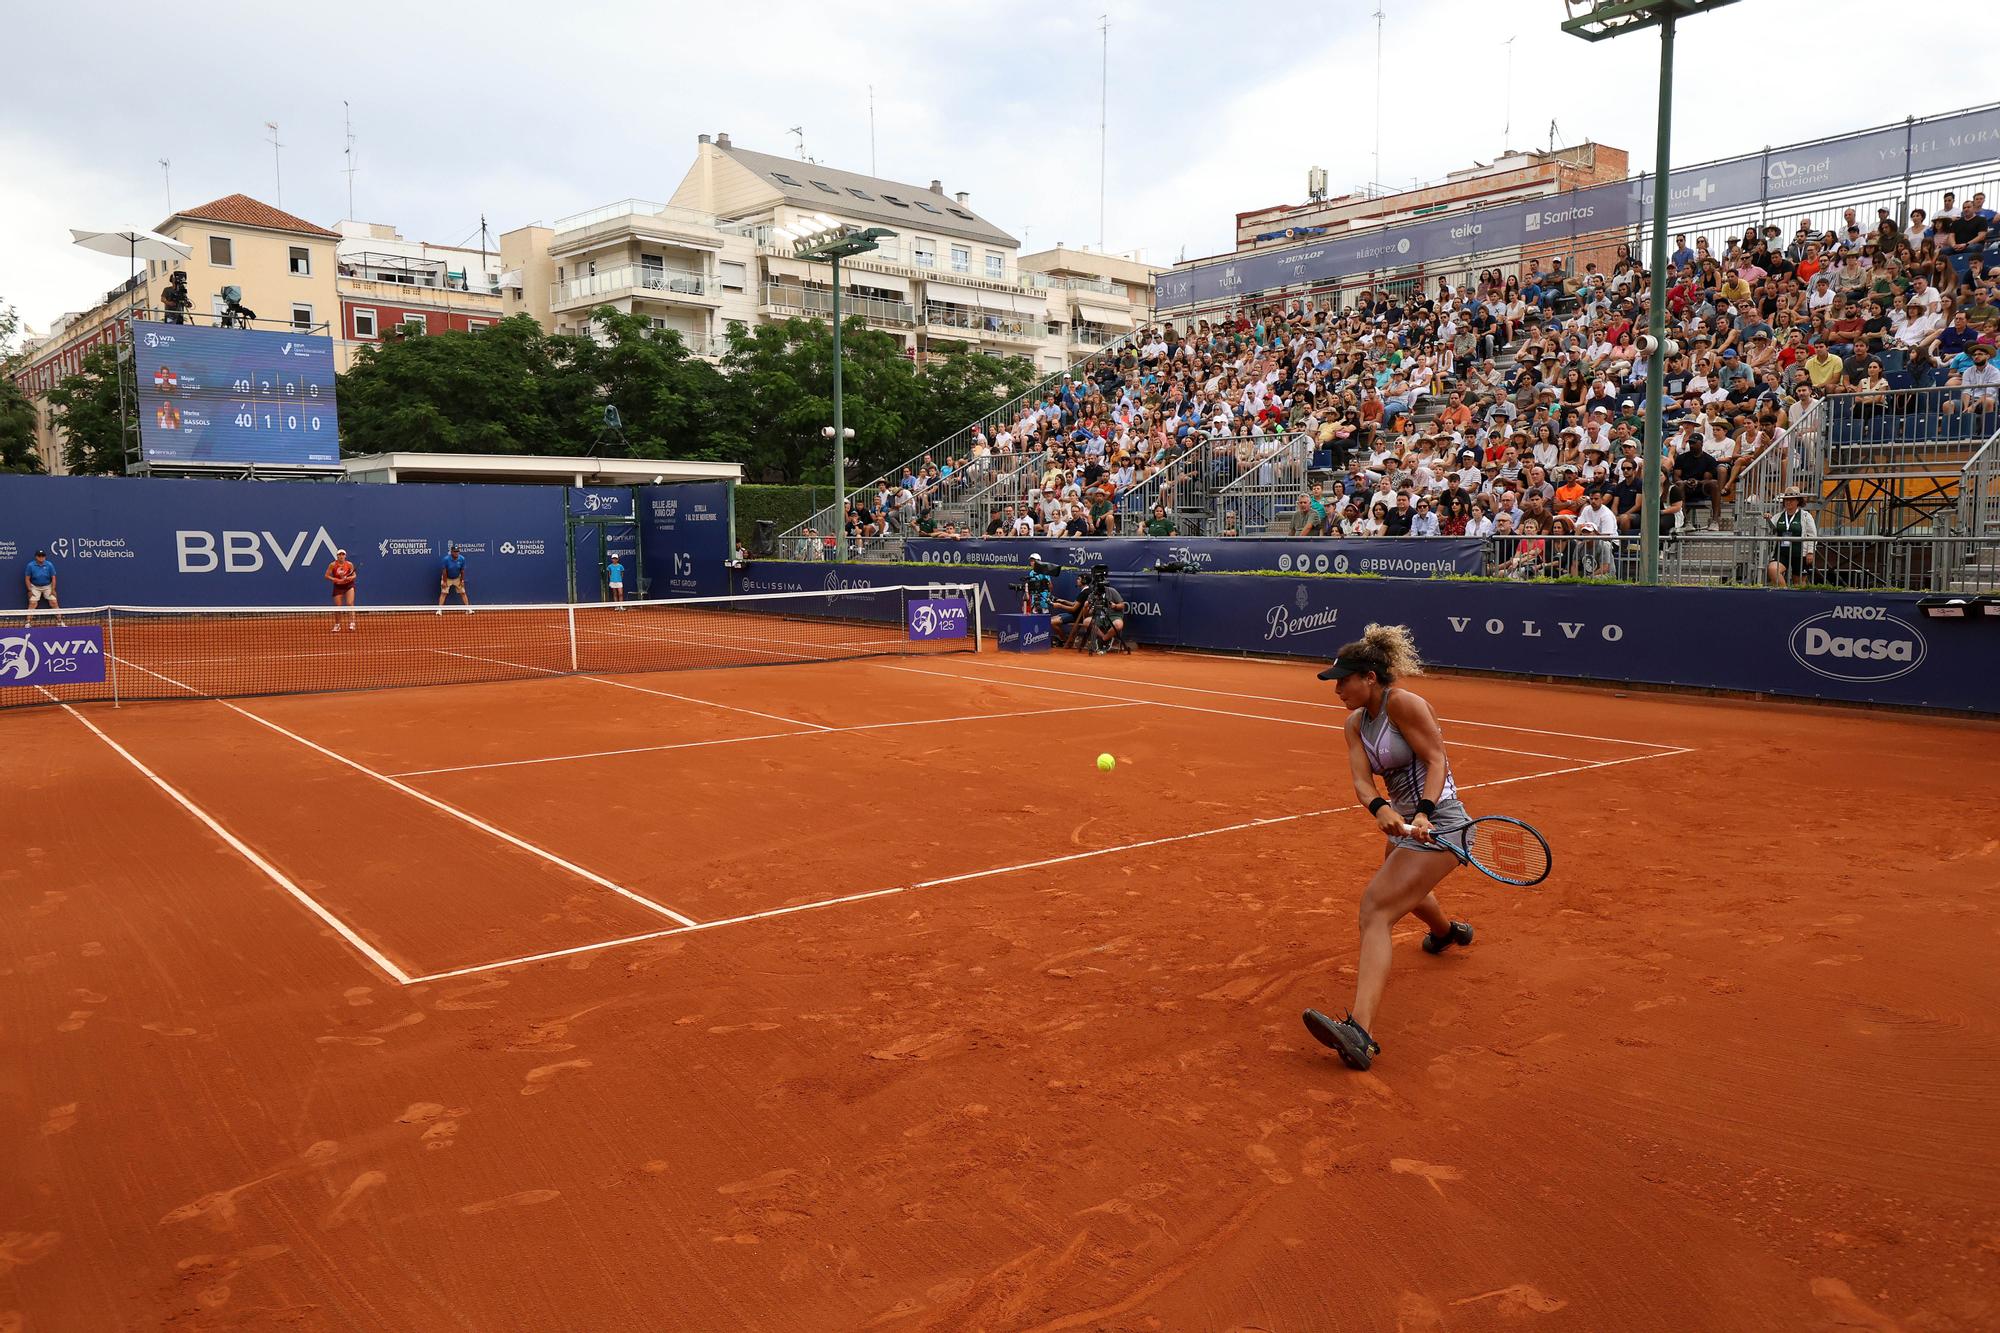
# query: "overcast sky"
{"points": [[532, 111]]}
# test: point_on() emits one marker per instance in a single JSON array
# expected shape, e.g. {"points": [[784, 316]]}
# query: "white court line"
{"points": [[432, 801], [1306, 703], [1197, 708], [771, 736], [893, 890], [643, 689], [243, 849]]}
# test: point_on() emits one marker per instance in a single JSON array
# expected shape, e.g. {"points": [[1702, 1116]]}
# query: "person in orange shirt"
{"points": [[342, 576], [1569, 495], [1457, 416]]}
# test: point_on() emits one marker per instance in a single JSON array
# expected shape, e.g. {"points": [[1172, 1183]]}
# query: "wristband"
{"points": [[1427, 808], [1375, 806]]}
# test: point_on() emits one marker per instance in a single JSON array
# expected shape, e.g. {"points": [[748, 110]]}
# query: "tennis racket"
{"points": [[1499, 848]]}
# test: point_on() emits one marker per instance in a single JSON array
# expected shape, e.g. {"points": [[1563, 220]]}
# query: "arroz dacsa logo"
{"points": [[1858, 643]]}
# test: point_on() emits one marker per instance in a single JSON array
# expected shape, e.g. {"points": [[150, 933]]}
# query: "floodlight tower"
{"points": [[1594, 21], [820, 237]]}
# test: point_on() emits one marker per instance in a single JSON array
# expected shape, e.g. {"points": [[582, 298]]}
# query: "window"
{"points": [[824, 186], [927, 208], [475, 325], [861, 194], [783, 179], [996, 265], [734, 275], [961, 213], [961, 259], [892, 199], [416, 325], [302, 262], [925, 250], [221, 252], [364, 323], [302, 316]]}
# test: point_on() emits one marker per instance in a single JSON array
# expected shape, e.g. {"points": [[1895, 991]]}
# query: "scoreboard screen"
{"points": [[216, 395]]}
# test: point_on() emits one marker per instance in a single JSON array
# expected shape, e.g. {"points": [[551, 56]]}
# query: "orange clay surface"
{"points": [[1735, 1066]]}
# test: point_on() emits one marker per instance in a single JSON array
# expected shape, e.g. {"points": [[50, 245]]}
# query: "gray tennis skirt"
{"points": [[1450, 814]]}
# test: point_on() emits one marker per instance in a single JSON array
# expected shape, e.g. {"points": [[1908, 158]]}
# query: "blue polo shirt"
{"points": [[454, 566], [615, 571], [41, 573]]}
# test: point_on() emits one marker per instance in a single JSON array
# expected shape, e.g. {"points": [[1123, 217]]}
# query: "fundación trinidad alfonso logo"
{"points": [[19, 658]]}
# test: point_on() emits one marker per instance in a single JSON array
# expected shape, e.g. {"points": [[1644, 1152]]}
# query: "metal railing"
{"points": [[1796, 459], [1262, 494], [1856, 562], [1907, 432], [1009, 481], [1049, 282], [562, 231], [957, 447], [997, 323], [1979, 491], [819, 301], [627, 278]]}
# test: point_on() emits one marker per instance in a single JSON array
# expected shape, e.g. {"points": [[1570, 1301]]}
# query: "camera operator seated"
{"points": [[1101, 621]]}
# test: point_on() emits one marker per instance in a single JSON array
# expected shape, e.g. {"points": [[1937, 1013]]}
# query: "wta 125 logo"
{"points": [[938, 618], [53, 656], [1858, 643]]}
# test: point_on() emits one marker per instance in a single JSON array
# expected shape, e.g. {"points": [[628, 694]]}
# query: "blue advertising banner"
{"points": [[602, 501], [216, 395], [1023, 634], [51, 655], [1859, 648], [939, 618], [153, 542], [1775, 175], [685, 531], [1391, 557]]}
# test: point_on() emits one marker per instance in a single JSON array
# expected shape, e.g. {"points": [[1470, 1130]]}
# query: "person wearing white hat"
{"points": [[1796, 529]]}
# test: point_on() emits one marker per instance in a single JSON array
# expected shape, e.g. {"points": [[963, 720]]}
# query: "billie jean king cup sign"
{"points": [[939, 618], [51, 656]]}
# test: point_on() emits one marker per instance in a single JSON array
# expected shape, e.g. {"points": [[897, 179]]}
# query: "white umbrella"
{"points": [[136, 242]]}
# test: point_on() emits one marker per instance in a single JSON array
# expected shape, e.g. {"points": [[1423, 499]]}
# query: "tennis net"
{"points": [[218, 652]]}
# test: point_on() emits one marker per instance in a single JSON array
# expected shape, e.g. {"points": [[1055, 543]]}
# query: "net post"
{"points": [[111, 651], [972, 594], [570, 615]]}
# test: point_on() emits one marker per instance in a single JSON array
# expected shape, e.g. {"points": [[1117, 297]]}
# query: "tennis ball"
{"points": [[1105, 763]]}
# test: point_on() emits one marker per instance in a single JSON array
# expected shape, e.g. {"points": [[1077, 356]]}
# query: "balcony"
{"points": [[1054, 282], [635, 217], [409, 271], [676, 285], [817, 302], [991, 325]]}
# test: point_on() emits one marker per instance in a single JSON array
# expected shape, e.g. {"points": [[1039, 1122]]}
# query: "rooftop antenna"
{"points": [[277, 166], [1507, 125], [871, 130], [347, 119], [800, 132], [167, 173], [1378, 92], [1103, 100]]}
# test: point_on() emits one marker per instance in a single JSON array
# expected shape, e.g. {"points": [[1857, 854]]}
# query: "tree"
{"points": [[17, 429], [667, 398], [507, 389], [778, 395], [85, 410], [962, 387]]}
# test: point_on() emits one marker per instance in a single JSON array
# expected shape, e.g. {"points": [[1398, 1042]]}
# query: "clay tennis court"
{"points": [[851, 995]]}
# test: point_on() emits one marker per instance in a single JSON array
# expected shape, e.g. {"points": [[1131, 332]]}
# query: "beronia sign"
{"points": [[1861, 648]]}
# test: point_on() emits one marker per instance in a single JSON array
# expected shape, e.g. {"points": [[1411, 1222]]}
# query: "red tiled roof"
{"points": [[245, 211]]}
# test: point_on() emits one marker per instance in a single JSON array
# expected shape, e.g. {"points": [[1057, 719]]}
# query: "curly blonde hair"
{"points": [[1387, 650]]}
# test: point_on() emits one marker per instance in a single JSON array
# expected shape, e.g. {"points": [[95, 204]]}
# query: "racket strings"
{"points": [[1512, 851]]}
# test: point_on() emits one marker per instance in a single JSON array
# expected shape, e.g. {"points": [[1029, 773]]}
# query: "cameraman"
{"points": [[175, 298], [1103, 612], [1038, 594]]}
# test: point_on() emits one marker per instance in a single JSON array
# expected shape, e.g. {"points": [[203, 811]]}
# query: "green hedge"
{"points": [[786, 506]]}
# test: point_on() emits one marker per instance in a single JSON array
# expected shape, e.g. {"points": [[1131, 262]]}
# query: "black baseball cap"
{"points": [[1344, 666]]}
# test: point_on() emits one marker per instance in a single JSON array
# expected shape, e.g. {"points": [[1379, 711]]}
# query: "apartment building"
{"points": [[386, 283], [709, 256]]}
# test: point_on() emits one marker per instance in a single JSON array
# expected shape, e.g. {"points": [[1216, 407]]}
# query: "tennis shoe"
{"points": [[1458, 932], [1357, 1049]]}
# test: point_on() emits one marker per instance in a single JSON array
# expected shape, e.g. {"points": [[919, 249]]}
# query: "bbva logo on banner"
{"points": [[241, 552]]}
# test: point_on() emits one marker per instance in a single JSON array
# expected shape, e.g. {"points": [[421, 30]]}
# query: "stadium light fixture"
{"points": [[1594, 21], [833, 242]]}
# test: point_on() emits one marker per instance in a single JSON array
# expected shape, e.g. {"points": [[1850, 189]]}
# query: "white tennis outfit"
{"points": [[1390, 755]]}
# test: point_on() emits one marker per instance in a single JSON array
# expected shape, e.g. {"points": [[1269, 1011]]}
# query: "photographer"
{"points": [[1102, 614]]}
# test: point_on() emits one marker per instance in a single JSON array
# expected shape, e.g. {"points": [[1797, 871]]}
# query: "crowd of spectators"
{"points": [[1507, 405]]}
